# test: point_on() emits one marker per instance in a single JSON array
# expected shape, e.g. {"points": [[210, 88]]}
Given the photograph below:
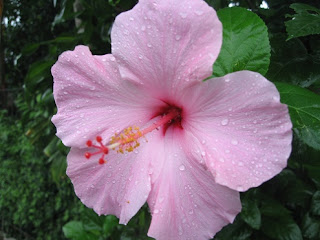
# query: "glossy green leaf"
{"points": [[281, 228], [292, 63], [37, 72], [315, 204], [238, 230], [58, 167], [311, 227], [250, 213], [304, 108], [75, 230], [305, 22], [30, 48], [245, 43]]}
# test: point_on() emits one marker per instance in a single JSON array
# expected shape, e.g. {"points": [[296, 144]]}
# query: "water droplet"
{"points": [[203, 154], [191, 211], [149, 45], [234, 142], [143, 28], [221, 159], [178, 37], [239, 188], [156, 211], [227, 80], [112, 59], [203, 141], [224, 122], [199, 13], [182, 167], [275, 98]]}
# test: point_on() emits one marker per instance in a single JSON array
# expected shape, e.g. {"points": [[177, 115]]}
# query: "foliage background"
{"points": [[36, 197]]}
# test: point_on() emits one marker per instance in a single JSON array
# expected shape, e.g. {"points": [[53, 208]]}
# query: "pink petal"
{"points": [[119, 187], [185, 202], [92, 99], [166, 44], [243, 131]]}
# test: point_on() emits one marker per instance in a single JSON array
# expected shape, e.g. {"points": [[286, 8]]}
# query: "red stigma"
{"points": [[102, 149], [99, 139], [89, 143], [105, 150]]}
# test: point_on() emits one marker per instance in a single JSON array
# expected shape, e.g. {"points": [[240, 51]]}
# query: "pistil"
{"points": [[128, 139]]}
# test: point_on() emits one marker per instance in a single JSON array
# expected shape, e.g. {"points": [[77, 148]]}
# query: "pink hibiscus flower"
{"points": [[159, 132]]}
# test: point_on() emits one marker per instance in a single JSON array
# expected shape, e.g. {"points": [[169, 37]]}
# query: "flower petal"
{"points": [[243, 131], [92, 99], [166, 44], [185, 201], [119, 187]]}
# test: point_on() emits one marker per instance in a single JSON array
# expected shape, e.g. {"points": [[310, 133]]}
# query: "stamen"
{"points": [[128, 139]]}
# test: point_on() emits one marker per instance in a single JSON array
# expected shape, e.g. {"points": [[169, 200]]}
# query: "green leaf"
{"points": [[238, 230], [30, 48], [315, 204], [38, 72], [250, 213], [310, 227], [281, 228], [75, 230], [110, 223], [304, 108], [305, 22], [58, 168], [245, 43], [291, 62], [272, 208]]}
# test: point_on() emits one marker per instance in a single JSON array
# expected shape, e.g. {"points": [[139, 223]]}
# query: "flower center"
{"points": [[128, 140]]}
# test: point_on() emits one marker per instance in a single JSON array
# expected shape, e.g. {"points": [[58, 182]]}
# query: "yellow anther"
{"points": [[128, 139]]}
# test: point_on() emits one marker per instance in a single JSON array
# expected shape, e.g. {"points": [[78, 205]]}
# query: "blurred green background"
{"points": [[36, 197]]}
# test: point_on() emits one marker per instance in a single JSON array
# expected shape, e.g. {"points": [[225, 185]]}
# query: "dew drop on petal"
{"points": [[224, 122], [276, 98], [239, 188], [199, 13], [182, 167], [178, 37]]}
